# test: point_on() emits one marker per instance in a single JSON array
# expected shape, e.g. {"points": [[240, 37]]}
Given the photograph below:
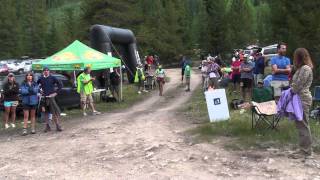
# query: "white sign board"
{"points": [[217, 105]]}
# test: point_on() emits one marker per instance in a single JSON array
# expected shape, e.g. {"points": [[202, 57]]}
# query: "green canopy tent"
{"points": [[77, 56]]}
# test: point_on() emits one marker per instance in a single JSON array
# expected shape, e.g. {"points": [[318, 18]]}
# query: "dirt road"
{"points": [[146, 141]]}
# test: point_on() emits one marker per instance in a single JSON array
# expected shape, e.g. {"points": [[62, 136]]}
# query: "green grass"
{"points": [[130, 96], [238, 127]]}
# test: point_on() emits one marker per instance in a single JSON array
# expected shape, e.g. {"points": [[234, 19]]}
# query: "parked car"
{"points": [[15, 67], [269, 51], [66, 98], [250, 52], [26, 65], [4, 69]]}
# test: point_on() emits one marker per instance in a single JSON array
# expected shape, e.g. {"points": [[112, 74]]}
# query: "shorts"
{"points": [[278, 86], [213, 82], [182, 71], [236, 78], [87, 98], [49, 105], [246, 83], [114, 88], [29, 107], [10, 103], [160, 80], [188, 80], [257, 77]]}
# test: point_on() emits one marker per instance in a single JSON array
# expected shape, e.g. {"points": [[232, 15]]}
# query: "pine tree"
{"points": [[70, 26], [9, 31], [240, 23], [34, 25], [120, 13], [216, 24], [53, 40]]}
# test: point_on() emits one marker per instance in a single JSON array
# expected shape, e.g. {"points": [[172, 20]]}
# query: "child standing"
{"points": [[187, 73]]}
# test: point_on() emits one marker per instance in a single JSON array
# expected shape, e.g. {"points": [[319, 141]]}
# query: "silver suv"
{"points": [[269, 51]]}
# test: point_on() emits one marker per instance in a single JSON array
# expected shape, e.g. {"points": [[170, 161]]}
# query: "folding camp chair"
{"points": [[264, 108]]}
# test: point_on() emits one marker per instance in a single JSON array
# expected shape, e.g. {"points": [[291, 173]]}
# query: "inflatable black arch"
{"points": [[103, 37]]}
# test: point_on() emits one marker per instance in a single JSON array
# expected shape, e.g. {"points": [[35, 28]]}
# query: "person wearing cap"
{"points": [[11, 100], [47, 84], [160, 75], [139, 78], [258, 72], [85, 89]]}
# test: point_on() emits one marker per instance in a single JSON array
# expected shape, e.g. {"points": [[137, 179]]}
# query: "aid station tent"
{"points": [[76, 57]]}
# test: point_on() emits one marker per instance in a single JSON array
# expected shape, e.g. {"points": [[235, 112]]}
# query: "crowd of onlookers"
{"points": [[40, 96], [246, 72], [287, 79]]}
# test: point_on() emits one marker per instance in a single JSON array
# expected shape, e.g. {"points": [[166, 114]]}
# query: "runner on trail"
{"points": [[183, 65], [160, 75], [187, 73]]}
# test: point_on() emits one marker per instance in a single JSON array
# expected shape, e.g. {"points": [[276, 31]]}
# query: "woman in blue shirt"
{"points": [[29, 91]]}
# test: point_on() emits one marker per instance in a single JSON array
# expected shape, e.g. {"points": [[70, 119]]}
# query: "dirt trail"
{"points": [[146, 141]]}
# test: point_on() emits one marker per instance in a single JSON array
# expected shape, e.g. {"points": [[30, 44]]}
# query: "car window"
{"points": [[270, 51], [66, 83]]}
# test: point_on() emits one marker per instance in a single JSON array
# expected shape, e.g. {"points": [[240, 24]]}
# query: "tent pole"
{"points": [[120, 83], [75, 78]]}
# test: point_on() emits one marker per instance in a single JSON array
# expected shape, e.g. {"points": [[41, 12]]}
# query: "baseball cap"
{"points": [[260, 81], [46, 68], [10, 75]]}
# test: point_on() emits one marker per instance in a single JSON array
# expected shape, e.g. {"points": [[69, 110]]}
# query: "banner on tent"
{"points": [[217, 105]]}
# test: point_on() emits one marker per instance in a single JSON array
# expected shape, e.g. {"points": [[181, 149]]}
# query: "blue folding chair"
{"points": [[316, 95]]}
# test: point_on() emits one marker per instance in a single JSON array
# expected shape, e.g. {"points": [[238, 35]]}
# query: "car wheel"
{"points": [[20, 71]]}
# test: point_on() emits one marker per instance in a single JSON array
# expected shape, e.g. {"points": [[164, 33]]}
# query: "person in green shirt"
{"points": [[85, 89], [160, 75], [139, 78], [187, 73]]}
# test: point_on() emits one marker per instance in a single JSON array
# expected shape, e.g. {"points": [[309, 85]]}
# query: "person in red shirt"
{"points": [[150, 60], [236, 75], [241, 55]]}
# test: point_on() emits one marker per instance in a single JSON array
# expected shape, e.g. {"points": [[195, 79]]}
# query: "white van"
{"points": [[269, 51]]}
